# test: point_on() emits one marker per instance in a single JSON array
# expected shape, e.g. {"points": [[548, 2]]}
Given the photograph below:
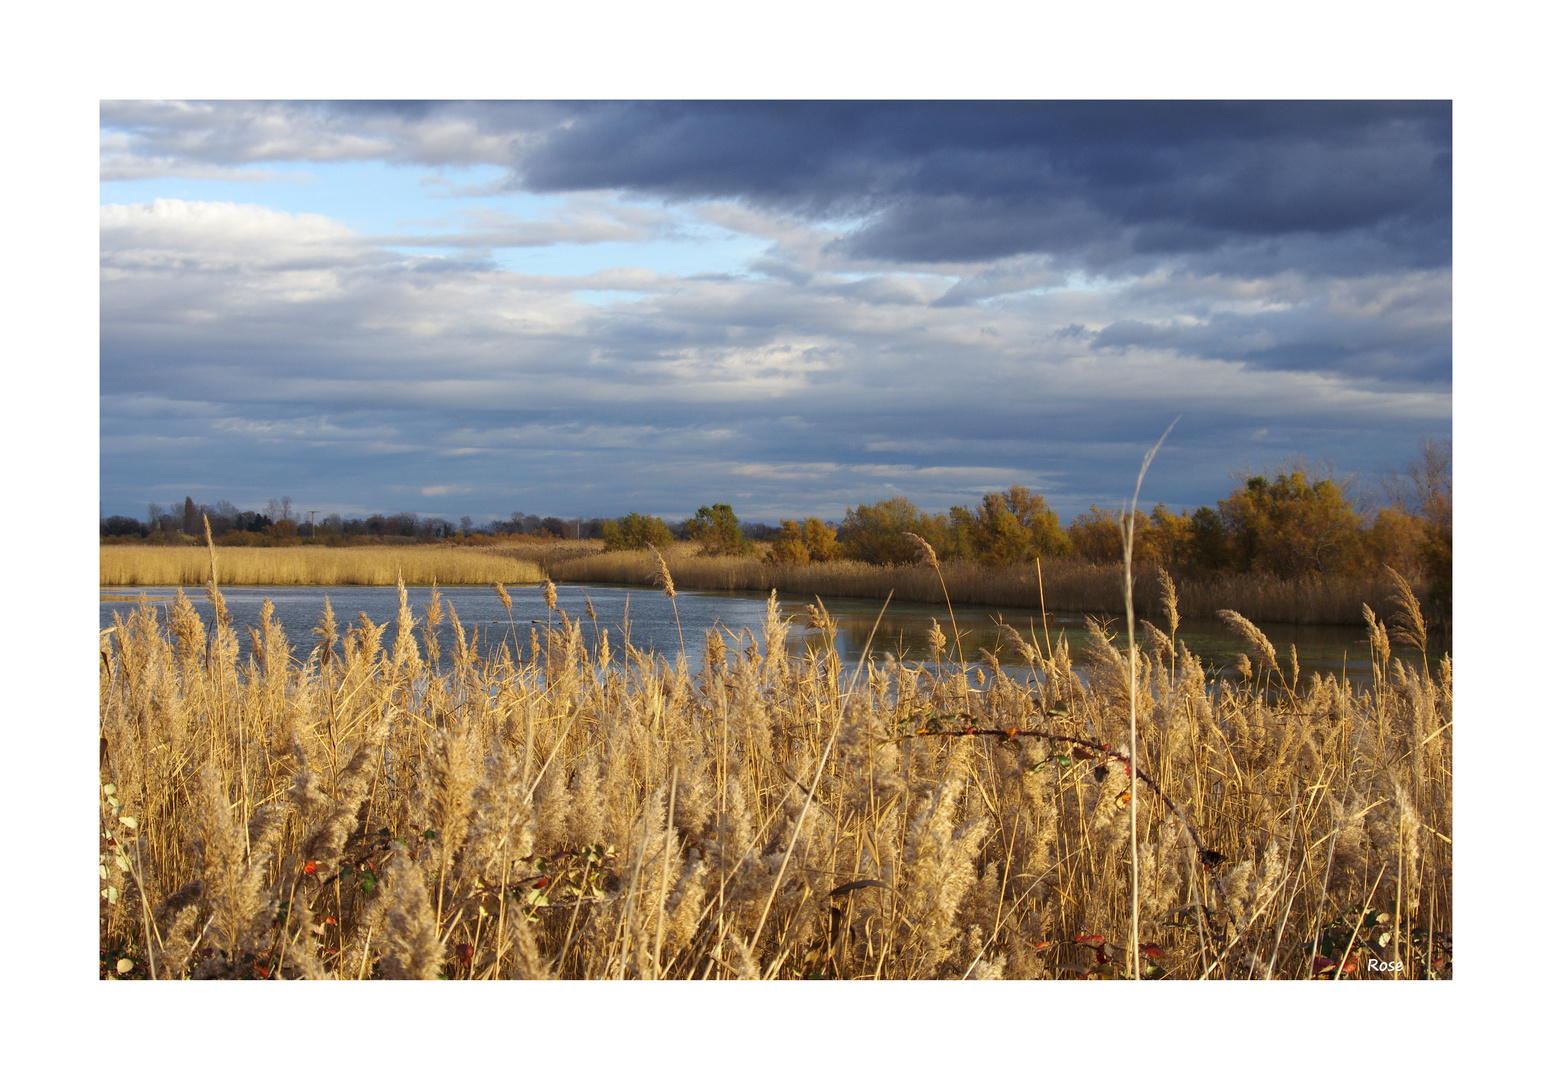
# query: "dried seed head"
{"points": [[549, 594], [662, 576], [1157, 641], [1171, 599], [819, 618], [936, 641], [1410, 628], [1025, 650], [502, 595], [1260, 646], [925, 556]]}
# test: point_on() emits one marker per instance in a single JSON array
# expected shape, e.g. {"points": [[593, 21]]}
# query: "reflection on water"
{"points": [[903, 631], [648, 618]]}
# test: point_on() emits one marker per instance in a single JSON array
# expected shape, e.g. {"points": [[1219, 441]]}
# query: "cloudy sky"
{"points": [[793, 307]]}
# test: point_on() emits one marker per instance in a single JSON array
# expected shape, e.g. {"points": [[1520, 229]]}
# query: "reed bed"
{"points": [[131, 565], [1057, 585], [382, 803]]}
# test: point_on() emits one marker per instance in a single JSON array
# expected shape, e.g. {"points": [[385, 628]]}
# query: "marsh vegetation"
{"points": [[381, 802]]}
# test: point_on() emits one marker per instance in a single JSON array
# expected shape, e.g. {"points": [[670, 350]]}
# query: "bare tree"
{"points": [[1425, 487]]}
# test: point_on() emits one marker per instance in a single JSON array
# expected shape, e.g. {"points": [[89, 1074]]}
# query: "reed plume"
{"points": [[342, 813]]}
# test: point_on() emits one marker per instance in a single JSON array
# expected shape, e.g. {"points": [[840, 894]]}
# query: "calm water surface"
{"points": [[649, 618]]}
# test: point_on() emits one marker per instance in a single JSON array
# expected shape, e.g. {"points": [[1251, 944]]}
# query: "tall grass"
{"points": [[379, 802], [1069, 585], [446, 565]]}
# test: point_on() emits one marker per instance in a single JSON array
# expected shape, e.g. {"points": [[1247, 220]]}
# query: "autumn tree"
{"points": [[1422, 502], [1007, 527], [819, 538], [634, 532], [1207, 549], [876, 533], [716, 527], [1291, 527], [788, 547], [810, 541]]}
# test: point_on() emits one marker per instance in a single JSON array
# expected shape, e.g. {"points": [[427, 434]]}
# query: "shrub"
{"points": [[634, 532], [716, 528], [876, 533], [820, 540], [788, 547], [1291, 527], [798, 544]]}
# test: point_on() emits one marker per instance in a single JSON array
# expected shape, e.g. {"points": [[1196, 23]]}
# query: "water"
{"points": [[902, 630]]}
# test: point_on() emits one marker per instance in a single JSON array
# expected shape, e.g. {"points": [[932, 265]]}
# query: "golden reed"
{"points": [[378, 801]]}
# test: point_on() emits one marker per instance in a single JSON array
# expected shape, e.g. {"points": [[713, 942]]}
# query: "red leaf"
{"points": [[310, 868], [1151, 950], [465, 952]]}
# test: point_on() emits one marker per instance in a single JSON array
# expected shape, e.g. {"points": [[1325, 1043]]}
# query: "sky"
{"points": [[591, 308]]}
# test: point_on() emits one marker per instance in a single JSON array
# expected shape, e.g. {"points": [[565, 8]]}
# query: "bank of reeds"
{"points": [[379, 802], [1068, 585], [129, 565]]}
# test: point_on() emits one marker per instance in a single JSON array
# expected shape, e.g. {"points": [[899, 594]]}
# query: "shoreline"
{"points": [[1058, 585]]}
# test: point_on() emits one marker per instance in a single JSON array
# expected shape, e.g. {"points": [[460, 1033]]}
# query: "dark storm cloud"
{"points": [[1098, 181], [1103, 185], [936, 299]]}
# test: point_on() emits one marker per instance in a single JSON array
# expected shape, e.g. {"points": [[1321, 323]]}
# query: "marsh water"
{"points": [[653, 625]]}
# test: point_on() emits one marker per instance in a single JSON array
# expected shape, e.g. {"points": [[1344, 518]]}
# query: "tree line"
{"points": [[282, 523], [1297, 523], [1293, 525]]}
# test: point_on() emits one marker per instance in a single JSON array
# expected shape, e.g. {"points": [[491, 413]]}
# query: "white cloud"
{"points": [[267, 339]]}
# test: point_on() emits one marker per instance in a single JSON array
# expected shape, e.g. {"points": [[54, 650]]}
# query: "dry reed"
{"points": [[1067, 585], [125, 565], [384, 803]]}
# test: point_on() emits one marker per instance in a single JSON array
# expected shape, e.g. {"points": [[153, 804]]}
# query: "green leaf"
{"points": [[109, 789], [129, 823], [368, 882], [431, 834], [124, 966], [112, 894]]}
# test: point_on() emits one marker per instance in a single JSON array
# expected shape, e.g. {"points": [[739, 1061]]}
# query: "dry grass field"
{"points": [[132, 565], [1057, 585], [378, 803]]}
